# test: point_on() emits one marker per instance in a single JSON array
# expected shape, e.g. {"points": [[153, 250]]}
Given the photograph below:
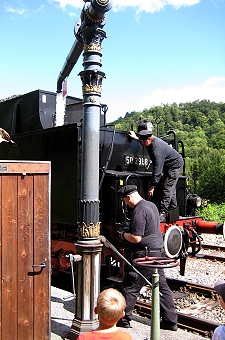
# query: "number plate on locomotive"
{"points": [[136, 160]]}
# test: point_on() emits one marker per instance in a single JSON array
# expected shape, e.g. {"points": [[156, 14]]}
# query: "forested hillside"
{"points": [[201, 127]]}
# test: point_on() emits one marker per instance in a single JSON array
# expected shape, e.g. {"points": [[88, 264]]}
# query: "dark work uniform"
{"points": [[169, 162], [145, 222]]}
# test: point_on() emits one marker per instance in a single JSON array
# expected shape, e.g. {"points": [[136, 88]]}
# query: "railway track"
{"points": [[190, 323], [213, 247], [186, 319], [216, 253]]}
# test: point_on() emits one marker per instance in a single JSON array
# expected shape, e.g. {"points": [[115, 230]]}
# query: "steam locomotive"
{"points": [[29, 119]]}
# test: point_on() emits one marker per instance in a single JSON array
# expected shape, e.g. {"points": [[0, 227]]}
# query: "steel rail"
{"points": [[213, 255], [190, 323], [192, 287], [213, 247]]}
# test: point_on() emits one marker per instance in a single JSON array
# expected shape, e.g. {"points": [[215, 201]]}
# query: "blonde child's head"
{"points": [[110, 306]]}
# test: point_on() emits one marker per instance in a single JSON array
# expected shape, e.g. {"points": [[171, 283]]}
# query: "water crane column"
{"points": [[88, 245]]}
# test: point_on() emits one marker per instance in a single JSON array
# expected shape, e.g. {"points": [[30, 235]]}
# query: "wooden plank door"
{"points": [[25, 255]]}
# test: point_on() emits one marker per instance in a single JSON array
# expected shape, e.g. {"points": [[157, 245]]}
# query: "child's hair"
{"points": [[111, 305]]}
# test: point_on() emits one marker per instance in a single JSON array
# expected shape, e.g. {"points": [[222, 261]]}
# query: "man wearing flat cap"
{"points": [[144, 239], [219, 332], [127, 190], [167, 166]]}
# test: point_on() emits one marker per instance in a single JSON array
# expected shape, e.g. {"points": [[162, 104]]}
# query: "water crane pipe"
{"points": [[93, 12]]}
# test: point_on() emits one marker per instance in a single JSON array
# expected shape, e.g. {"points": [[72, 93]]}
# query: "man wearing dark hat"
{"points": [[144, 238], [167, 166], [219, 332]]}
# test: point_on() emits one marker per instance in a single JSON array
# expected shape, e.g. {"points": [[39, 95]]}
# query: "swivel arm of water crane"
{"points": [[109, 245]]}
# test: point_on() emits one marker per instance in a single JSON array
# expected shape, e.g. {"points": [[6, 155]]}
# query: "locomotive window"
{"points": [[136, 160]]}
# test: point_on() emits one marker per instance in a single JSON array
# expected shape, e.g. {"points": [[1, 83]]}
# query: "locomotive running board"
{"points": [[109, 245]]}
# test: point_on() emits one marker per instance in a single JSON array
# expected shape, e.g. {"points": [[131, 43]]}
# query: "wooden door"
{"points": [[25, 250]]}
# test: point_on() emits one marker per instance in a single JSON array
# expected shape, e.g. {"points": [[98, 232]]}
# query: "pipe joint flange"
{"points": [[92, 19]]}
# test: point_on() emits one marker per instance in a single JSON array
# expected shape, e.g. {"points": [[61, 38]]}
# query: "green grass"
{"points": [[212, 212]]}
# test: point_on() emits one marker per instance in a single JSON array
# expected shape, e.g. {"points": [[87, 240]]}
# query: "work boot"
{"points": [[168, 325], [123, 323]]}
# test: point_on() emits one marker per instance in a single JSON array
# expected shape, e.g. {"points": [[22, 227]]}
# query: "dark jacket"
{"points": [[163, 157]]}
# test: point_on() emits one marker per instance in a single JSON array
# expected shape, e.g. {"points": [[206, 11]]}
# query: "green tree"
{"points": [[212, 176]]}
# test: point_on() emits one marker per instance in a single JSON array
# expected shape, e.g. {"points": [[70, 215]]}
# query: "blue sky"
{"points": [[156, 51]]}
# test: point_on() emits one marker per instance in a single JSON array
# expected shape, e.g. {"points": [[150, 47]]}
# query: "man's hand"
{"points": [[133, 135], [150, 192], [121, 231]]}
